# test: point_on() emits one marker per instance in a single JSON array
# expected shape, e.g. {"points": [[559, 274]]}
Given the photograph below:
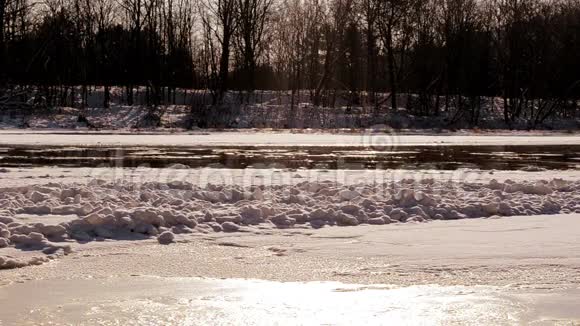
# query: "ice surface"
{"points": [[193, 301]]}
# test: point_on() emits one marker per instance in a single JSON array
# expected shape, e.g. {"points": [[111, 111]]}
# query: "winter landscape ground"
{"points": [[283, 162], [280, 227]]}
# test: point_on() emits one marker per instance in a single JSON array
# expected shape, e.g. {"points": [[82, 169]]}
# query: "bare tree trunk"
{"points": [[224, 67], [2, 40], [106, 97], [392, 72], [130, 99], [371, 67]]}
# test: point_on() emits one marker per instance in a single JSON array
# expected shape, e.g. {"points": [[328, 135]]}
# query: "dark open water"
{"points": [[420, 157]]}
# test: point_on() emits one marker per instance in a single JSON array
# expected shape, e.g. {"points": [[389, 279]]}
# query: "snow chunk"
{"points": [[230, 227], [37, 197], [348, 194], [251, 215], [37, 210], [346, 220], [6, 220], [178, 166], [283, 221], [166, 238]]}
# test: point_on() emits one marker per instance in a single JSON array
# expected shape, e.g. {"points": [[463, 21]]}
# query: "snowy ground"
{"points": [[14, 177], [508, 271], [491, 247], [388, 139], [261, 109]]}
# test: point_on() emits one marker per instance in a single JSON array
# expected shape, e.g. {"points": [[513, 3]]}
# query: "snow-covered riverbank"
{"points": [[371, 138], [48, 217]]}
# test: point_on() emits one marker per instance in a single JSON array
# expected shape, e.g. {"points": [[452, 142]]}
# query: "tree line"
{"points": [[446, 53]]}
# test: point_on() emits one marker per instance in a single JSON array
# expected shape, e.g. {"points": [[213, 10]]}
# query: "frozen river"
{"points": [[192, 301], [281, 228], [444, 273]]}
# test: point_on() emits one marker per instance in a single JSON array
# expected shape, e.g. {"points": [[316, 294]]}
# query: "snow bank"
{"points": [[116, 117], [261, 109], [120, 210], [380, 139]]}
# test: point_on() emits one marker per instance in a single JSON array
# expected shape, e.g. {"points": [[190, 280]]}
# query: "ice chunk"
{"points": [[37, 210], [376, 221], [166, 238], [283, 221], [230, 227], [398, 214], [251, 215], [346, 220], [37, 197], [103, 232], [348, 194]]}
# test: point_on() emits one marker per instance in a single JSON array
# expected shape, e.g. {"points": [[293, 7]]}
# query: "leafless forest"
{"points": [[437, 55]]}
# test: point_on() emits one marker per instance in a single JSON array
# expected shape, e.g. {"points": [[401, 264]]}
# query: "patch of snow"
{"points": [[117, 210]]}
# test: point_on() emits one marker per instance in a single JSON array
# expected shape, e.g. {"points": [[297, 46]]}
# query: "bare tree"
{"points": [[2, 38], [103, 15], [220, 21], [371, 15], [13, 23], [391, 16], [333, 27], [290, 48], [137, 13], [252, 18]]}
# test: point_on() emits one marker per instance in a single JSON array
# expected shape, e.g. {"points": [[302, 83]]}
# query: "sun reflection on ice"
{"points": [[193, 301]]}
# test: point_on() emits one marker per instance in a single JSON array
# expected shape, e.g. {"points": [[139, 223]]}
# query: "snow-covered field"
{"points": [[378, 139], [501, 247]]}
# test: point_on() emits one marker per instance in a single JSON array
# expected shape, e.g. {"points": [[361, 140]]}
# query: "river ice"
{"points": [[48, 217]]}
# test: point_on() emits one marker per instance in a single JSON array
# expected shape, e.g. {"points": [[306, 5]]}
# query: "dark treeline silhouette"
{"points": [[446, 53]]}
